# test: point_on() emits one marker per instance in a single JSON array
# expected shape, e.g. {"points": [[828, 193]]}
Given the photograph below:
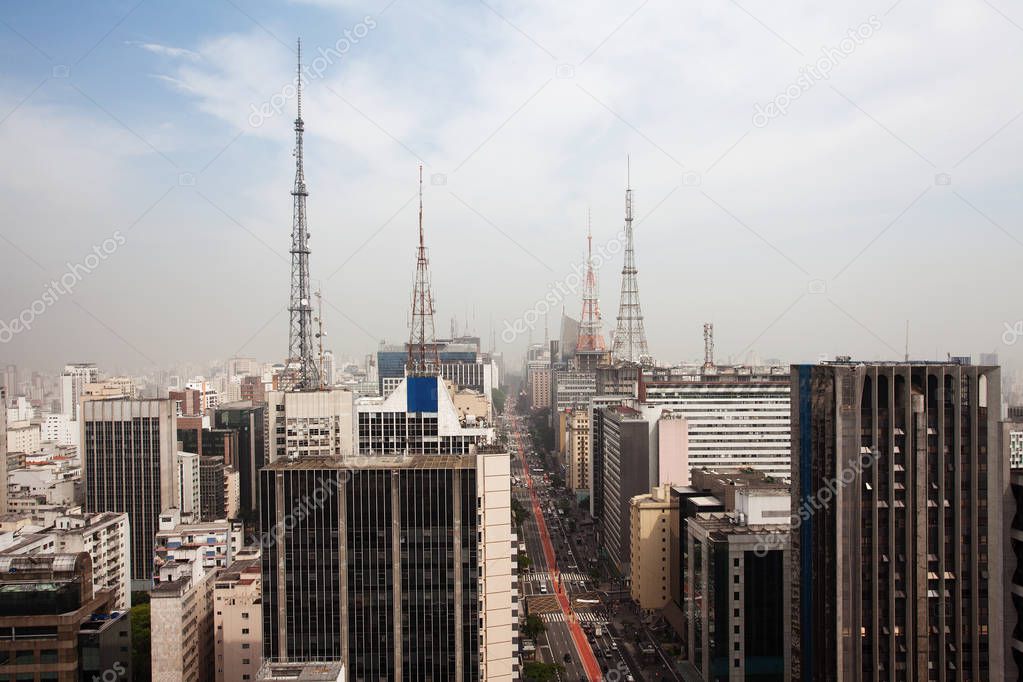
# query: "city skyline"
{"points": [[784, 230]]}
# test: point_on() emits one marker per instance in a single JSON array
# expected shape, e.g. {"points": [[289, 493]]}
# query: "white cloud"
{"points": [[166, 50]]}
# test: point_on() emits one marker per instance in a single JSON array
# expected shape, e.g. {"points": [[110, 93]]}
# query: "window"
{"points": [[245, 645], [245, 631], [48, 656]]}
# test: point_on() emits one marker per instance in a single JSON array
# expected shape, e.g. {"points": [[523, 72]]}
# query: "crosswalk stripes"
{"points": [[582, 616], [544, 575]]}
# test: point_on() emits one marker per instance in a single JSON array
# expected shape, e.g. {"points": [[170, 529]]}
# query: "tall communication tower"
{"points": [[708, 345], [422, 347], [302, 372], [629, 337], [591, 338]]}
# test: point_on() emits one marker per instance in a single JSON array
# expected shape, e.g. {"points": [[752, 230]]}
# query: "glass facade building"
{"points": [[898, 483], [374, 563]]}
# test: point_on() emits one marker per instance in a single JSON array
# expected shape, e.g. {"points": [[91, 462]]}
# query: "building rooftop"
{"points": [[311, 671], [239, 571], [719, 525], [171, 588]]}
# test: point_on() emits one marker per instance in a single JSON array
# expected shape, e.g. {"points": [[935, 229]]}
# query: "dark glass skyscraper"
{"points": [[898, 487], [250, 422], [379, 562], [128, 465]]}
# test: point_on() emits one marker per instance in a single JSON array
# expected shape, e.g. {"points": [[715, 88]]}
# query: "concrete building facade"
{"points": [[650, 564], [311, 423], [238, 621], [900, 574], [181, 625], [577, 449]]}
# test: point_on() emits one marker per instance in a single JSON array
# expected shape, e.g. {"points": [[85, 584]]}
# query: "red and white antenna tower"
{"points": [[422, 347], [591, 338]]}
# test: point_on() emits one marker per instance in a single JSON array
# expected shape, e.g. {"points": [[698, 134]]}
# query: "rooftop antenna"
{"points": [[907, 341], [629, 341], [319, 332], [590, 336], [708, 345], [423, 358], [301, 371]]}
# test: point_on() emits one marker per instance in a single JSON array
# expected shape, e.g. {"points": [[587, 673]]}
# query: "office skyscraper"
{"points": [[129, 465], [250, 422], [898, 488], [401, 567]]}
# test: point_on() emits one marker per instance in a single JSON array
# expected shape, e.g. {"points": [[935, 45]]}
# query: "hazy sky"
{"points": [[158, 137]]}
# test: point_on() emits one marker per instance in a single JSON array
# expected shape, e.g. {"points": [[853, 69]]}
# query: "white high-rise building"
{"points": [[72, 382], [310, 423], [104, 537], [20, 410], [23, 437], [737, 417], [107, 539], [420, 417], [58, 428], [189, 486]]}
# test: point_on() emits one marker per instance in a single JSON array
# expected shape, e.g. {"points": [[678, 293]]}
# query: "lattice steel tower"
{"points": [[302, 371], [591, 336], [629, 337], [422, 347]]}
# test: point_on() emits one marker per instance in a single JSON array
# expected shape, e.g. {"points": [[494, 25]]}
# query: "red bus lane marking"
{"points": [[582, 645]]}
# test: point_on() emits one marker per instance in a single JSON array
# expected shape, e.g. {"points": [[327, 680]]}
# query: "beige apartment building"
{"points": [[181, 624], [540, 387], [650, 558], [577, 449], [238, 621]]}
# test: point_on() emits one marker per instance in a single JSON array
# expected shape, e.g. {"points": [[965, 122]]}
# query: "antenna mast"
{"points": [[630, 336], [423, 359], [320, 334], [590, 336], [301, 371], [708, 345]]}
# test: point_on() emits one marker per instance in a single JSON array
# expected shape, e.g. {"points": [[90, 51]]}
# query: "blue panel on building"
{"points": [[421, 394]]}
